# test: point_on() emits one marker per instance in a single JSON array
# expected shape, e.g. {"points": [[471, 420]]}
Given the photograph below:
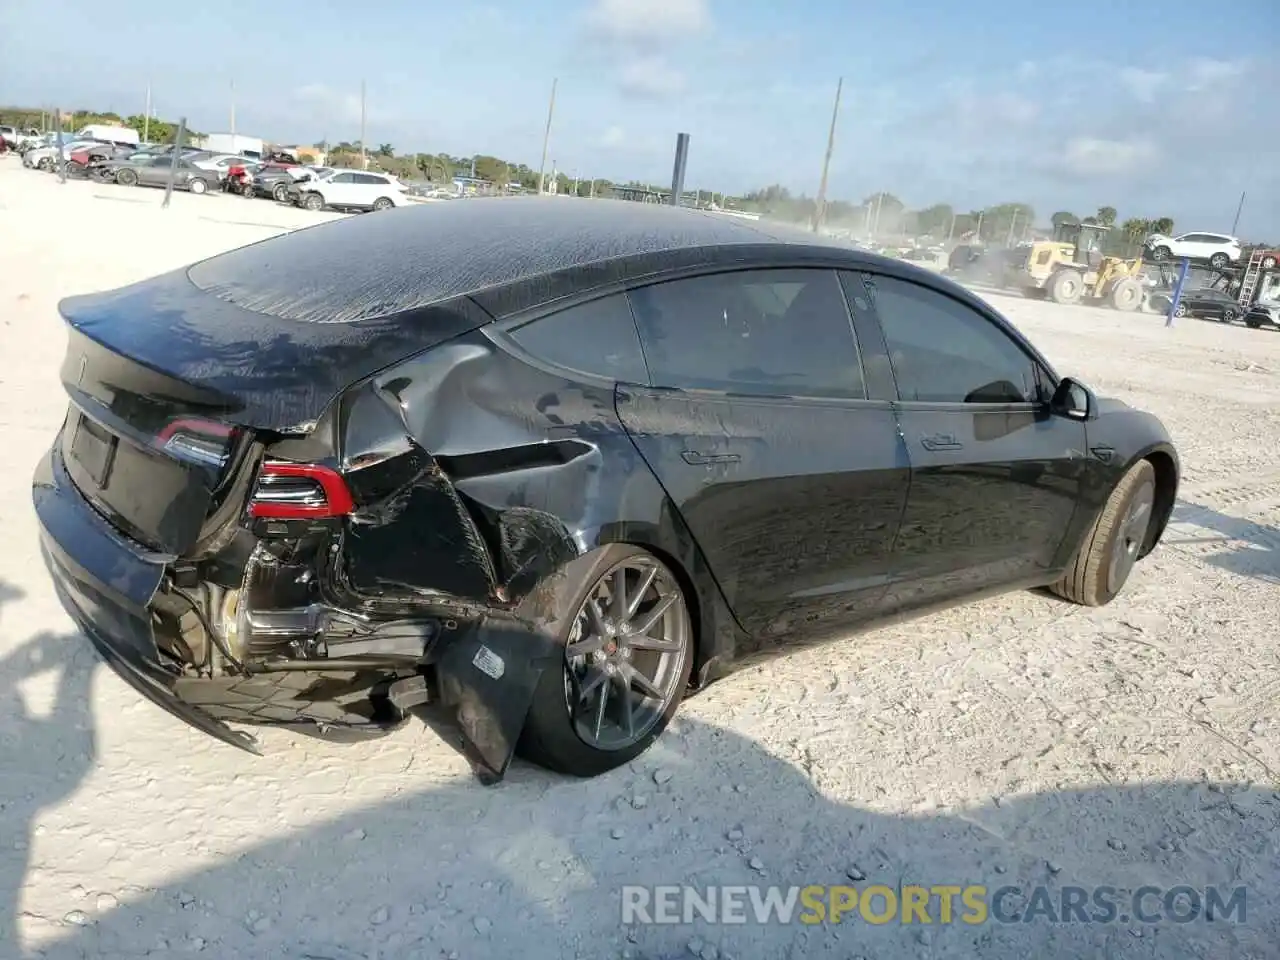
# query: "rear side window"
{"points": [[762, 332], [597, 338], [371, 179], [944, 351]]}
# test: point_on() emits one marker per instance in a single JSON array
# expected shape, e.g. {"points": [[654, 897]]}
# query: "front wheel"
{"points": [[280, 193], [126, 177], [1126, 295], [1114, 543], [1269, 262], [627, 652], [1230, 315], [1181, 310], [313, 202]]}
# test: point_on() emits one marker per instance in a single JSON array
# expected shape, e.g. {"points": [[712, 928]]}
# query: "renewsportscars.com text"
{"points": [[971, 904]]}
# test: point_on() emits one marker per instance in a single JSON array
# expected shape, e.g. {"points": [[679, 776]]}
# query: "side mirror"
{"points": [[1073, 399]]}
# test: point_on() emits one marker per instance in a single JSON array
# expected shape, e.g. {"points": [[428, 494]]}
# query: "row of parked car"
{"points": [[279, 177]]}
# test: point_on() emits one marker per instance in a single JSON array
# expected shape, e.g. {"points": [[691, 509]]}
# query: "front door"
{"points": [[758, 427], [995, 478]]}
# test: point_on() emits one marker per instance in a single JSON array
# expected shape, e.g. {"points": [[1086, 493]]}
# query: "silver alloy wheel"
{"points": [[626, 654], [1130, 535]]}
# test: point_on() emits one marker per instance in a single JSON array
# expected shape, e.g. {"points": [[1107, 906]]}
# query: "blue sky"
{"points": [[1156, 109]]}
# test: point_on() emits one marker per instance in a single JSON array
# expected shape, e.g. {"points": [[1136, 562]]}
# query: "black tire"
{"points": [[1126, 295], [1181, 310], [382, 203], [550, 737], [1066, 287], [126, 177], [197, 185], [313, 202], [1219, 260], [1089, 579], [1230, 315], [45, 164], [280, 193], [1161, 254], [1269, 262]]}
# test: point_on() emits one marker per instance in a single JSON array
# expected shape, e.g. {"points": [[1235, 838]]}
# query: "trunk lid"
{"points": [[170, 387]]}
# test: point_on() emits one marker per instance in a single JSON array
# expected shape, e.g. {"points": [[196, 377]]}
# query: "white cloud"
{"points": [[1097, 157], [648, 21], [650, 76], [1143, 84], [1205, 73], [639, 35], [328, 104]]}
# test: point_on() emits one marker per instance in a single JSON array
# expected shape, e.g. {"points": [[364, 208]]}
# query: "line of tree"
{"points": [[881, 213], [154, 130]]}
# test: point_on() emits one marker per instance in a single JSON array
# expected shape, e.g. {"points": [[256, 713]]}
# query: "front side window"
{"points": [[761, 332], [597, 338], [944, 351]]}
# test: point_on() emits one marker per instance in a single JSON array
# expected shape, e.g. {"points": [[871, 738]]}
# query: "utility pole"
{"points": [[1240, 209], [364, 159], [981, 214], [146, 119], [546, 139], [233, 111], [820, 204], [1012, 223]]}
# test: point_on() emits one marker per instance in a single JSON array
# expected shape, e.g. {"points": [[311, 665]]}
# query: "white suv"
{"points": [[352, 190], [1218, 248]]}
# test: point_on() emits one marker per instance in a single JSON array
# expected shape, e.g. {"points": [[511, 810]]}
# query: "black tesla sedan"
{"points": [[550, 464]]}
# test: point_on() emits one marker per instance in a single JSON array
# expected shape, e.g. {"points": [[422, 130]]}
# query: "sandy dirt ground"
{"points": [[1017, 741]]}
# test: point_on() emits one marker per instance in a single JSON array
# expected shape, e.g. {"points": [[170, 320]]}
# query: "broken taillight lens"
{"points": [[299, 491], [204, 441]]}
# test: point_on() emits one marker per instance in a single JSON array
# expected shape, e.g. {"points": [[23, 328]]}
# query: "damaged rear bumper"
{"points": [[485, 672], [105, 585]]}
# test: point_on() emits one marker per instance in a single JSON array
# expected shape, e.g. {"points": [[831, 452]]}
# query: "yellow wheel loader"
{"points": [[1071, 268]]}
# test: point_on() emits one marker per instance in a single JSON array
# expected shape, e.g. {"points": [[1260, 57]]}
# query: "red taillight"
{"points": [[299, 491], [205, 441]]}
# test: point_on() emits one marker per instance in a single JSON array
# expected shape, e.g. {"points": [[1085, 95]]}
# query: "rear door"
{"points": [[759, 427], [995, 479], [340, 189]]}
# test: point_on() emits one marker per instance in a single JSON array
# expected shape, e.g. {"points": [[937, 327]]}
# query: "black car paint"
{"points": [[481, 475]]}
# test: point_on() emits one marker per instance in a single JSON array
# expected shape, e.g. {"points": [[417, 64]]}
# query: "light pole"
{"points": [[820, 204], [546, 139]]}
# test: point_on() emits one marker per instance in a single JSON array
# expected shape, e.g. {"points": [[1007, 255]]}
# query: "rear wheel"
{"points": [[1219, 260], [1230, 315], [198, 186], [1066, 287], [627, 655], [1112, 546], [1160, 254], [280, 193], [382, 203], [1269, 262], [126, 177], [1181, 310]]}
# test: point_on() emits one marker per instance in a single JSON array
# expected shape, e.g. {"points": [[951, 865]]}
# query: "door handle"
{"points": [[941, 441], [696, 459]]}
